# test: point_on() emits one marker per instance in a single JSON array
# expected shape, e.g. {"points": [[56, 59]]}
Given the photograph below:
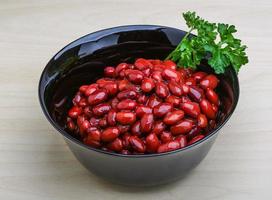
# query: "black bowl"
{"points": [[82, 62]]}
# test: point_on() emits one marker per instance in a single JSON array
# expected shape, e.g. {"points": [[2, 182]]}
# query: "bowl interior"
{"points": [[82, 62]]}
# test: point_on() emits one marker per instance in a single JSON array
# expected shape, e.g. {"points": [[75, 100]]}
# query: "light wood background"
{"points": [[35, 163]]}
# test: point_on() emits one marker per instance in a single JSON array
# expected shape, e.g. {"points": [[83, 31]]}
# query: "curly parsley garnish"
{"points": [[215, 42]]}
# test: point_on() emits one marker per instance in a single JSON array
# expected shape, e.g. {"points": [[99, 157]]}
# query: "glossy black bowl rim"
{"points": [[78, 142]]}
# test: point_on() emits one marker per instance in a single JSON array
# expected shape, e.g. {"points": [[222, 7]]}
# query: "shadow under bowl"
{"points": [[83, 61]]}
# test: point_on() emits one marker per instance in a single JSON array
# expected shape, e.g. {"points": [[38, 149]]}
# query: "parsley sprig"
{"points": [[215, 42]]}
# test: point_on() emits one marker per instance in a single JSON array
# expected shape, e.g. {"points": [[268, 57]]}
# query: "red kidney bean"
{"points": [[91, 89], [136, 129], [97, 97], [141, 110], [110, 134], [185, 99], [94, 121], [71, 125], [196, 93], [156, 75], [191, 108], [198, 76], [153, 101], [123, 128], [109, 72], [170, 74], [83, 88], [127, 94], [134, 76], [207, 109], [170, 64], [182, 140], [116, 145], [125, 141], [123, 84], [158, 67], [94, 134], [194, 132], [147, 122], [174, 100], [114, 103], [169, 146], [126, 104], [215, 108], [137, 144], [181, 127], [74, 112], [103, 123], [152, 143], [101, 109], [147, 85], [175, 88], [159, 127], [142, 64], [173, 117], [166, 136], [83, 102], [111, 118], [202, 121], [209, 81], [120, 67], [162, 109], [125, 152], [126, 117], [103, 81], [146, 72], [142, 99], [212, 96], [155, 61], [190, 82], [196, 138], [92, 143], [162, 90], [76, 99], [111, 88]]}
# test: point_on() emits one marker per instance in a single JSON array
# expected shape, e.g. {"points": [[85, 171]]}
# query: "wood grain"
{"points": [[35, 163]]}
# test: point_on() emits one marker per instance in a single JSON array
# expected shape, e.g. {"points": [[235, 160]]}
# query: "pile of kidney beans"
{"points": [[151, 106]]}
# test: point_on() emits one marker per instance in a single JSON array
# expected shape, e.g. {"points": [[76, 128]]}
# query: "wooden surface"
{"points": [[35, 163]]}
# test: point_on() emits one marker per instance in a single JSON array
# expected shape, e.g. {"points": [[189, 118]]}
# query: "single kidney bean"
{"points": [[147, 122], [120, 67], [76, 99], [110, 134], [126, 104], [166, 136], [209, 81], [125, 141], [147, 85], [94, 134], [182, 140], [185, 89], [123, 84], [174, 100], [111, 118], [162, 109], [162, 90], [156, 75], [136, 129], [158, 67], [142, 64], [103, 123], [212, 96], [185, 99], [155, 61], [83, 102], [207, 109], [170, 74], [190, 82], [91, 89], [94, 121], [170, 64], [195, 139], [71, 125], [191, 108], [134, 76], [97, 97], [141, 110], [114, 103], [175, 88], [198, 76], [74, 112], [111, 88], [194, 132], [173, 117], [85, 125], [123, 128], [146, 72], [181, 127], [202, 121], [92, 143], [153, 101], [152, 143], [196, 93], [101, 109], [169, 146], [116, 145], [125, 117], [125, 152], [127, 94], [142, 99], [83, 88], [137, 144], [159, 127], [109, 72], [103, 81]]}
